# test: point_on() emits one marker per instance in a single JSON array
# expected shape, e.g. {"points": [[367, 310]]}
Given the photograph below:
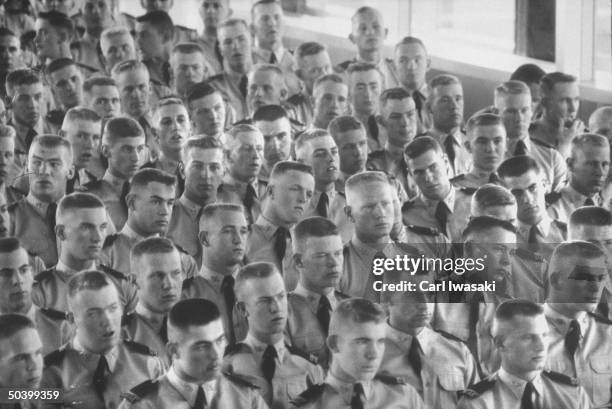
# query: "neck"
{"points": [[236, 70], [94, 32], [182, 375], [242, 179], [270, 46], [315, 289], [363, 116], [526, 376], [75, 263], [337, 371], [578, 188], [271, 214], [214, 264], [378, 243], [268, 338], [396, 151], [113, 172], [23, 309], [372, 56], [132, 223], [200, 200], [396, 322], [481, 173], [323, 186], [210, 32], [172, 156], [445, 131], [549, 130]]}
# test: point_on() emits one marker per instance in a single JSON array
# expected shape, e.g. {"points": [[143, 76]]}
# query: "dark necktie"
{"points": [[322, 205], [273, 59], [520, 148], [99, 376], [200, 401], [533, 238], [249, 197], [243, 86], [441, 216], [125, 190], [589, 202], [358, 397], [414, 356], [280, 243], [29, 138], [572, 338], [227, 290], [163, 331], [472, 341], [50, 216], [449, 147], [268, 363], [323, 313], [528, 399]]}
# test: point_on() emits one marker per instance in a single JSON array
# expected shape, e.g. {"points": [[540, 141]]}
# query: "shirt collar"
{"points": [[266, 54], [259, 347], [130, 233], [115, 181], [268, 227], [345, 389], [230, 180], [189, 390], [562, 322], [517, 385], [63, 268], [155, 319], [190, 205], [543, 227], [313, 298], [40, 206], [111, 355], [214, 277], [578, 198], [449, 200], [21, 129]]}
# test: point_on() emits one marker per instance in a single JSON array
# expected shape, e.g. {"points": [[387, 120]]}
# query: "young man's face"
{"points": [[529, 191], [265, 303], [173, 127], [83, 232], [399, 118], [368, 31], [246, 159], [277, 140], [412, 65], [208, 115], [97, 14], [589, 168], [21, 360], [563, 102], [84, 137], [487, 146], [62, 6], [117, 48], [104, 99], [359, 349], [152, 207], [353, 148], [204, 170], [16, 280], [330, 101], [226, 236], [48, 40], [268, 24], [7, 157], [430, 172], [311, 67], [125, 155], [152, 5], [134, 90], [292, 192], [187, 69], [524, 348], [322, 155], [5, 217], [372, 210], [366, 87], [67, 85], [214, 11], [265, 88], [447, 106], [150, 41], [496, 248], [321, 263], [10, 53], [27, 103], [49, 169], [411, 310], [516, 113], [235, 46], [159, 281], [579, 283]]}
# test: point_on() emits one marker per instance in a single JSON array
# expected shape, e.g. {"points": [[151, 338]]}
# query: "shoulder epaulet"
{"points": [[529, 255], [600, 318], [93, 184], [245, 121], [560, 378], [233, 349], [155, 81], [341, 295], [309, 395], [110, 240], [541, 143], [344, 65], [87, 67], [408, 248], [561, 225], [450, 336], [408, 205], [55, 117], [552, 197], [44, 275], [55, 357], [343, 194], [139, 348], [241, 380], [17, 190], [188, 282], [117, 274], [457, 178], [422, 230], [215, 78], [390, 380], [127, 319], [142, 390], [54, 314], [297, 351], [468, 190], [12, 206], [296, 123], [479, 388], [297, 99], [180, 249]]}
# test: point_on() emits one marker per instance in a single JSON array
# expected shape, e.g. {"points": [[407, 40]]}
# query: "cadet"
{"points": [[208, 112], [235, 48], [317, 250], [212, 13], [155, 37], [172, 128], [578, 339], [267, 86], [187, 67], [486, 142], [329, 100], [54, 32], [25, 91], [311, 62], [181, 33], [278, 370], [66, 83], [275, 126], [431, 355], [97, 365], [81, 227], [537, 231], [156, 264], [289, 191], [12, 57], [149, 202], [95, 16], [101, 95], [559, 122], [244, 155], [357, 344], [438, 205], [33, 217], [445, 107], [196, 378], [513, 104], [600, 121], [370, 208], [531, 75], [204, 167], [317, 149], [223, 232], [398, 118], [588, 166], [268, 29], [521, 337], [412, 62], [116, 45], [123, 144], [8, 167], [365, 83], [368, 33], [82, 128]]}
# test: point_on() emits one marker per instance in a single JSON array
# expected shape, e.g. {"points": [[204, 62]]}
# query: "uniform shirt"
{"points": [[379, 393], [260, 247], [285, 61], [357, 278], [592, 361], [52, 326], [383, 161], [108, 189], [29, 224], [170, 391], [333, 206], [116, 252], [421, 211], [529, 279], [212, 54], [159, 70], [549, 234], [229, 87], [505, 391], [568, 200], [184, 227], [463, 159], [10, 193], [87, 54], [292, 376], [144, 326], [550, 161], [207, 284], [447, 366], [23, 139], [234, 191], [303, 328], [50, 289], [385, 65], [301, 104], [72, 368]]}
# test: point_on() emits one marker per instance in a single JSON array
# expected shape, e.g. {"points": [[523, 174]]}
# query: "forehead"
{"points": [[189, 58], [590, 151], [331, 87], [410, 50], [295, 177], [267, 9], [592, 232], [198, 333], [322, 57], [322, 142], [399, 105], [506, 212], [426, 159], [326, 242], [352, 136], [104, 90], [367, 17], [357, 77], [371, 191], [207, 101], [99, 298], [229, 218], [160, 261], [15, 258], [278, 125], [205, 155], [83, 215], [265, 77], [129, 141], [516, 100], [43, 24], [133, 76], [521, 182], [24, 340], [29, 89], [352, 330], [488, 131], [171, 110], [450, 89], [494, 235], [565, 89], [265, 287], [117, 39], [48, 153], [81, 125], [522, 324], [250, 138], [67, 71], [156, 189], [232, 31]]}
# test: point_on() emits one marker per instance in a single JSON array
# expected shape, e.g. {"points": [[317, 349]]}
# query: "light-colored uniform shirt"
{"points": [[184, 228], [570, 199], [463, 159], [549, 160]]}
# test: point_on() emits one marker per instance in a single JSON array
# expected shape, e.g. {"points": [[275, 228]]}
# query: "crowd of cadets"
{"points": [[190, 220]]}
